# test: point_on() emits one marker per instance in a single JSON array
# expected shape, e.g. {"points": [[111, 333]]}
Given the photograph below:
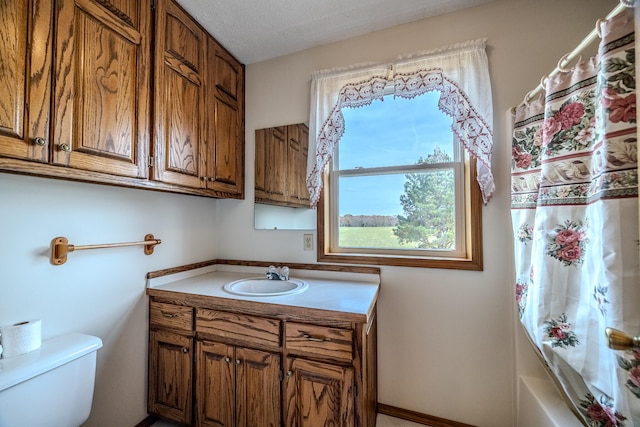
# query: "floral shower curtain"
{"points": [[575, 221]]}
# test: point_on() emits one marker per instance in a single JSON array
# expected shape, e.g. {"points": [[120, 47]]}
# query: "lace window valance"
{"points": [[460, 73]]}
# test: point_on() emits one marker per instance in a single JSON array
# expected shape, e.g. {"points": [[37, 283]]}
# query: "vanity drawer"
{"points": [[321, 341], [239, 328], [171, 316]]}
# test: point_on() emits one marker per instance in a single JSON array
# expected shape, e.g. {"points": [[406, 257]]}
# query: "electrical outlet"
{"points": [[308, 242]]}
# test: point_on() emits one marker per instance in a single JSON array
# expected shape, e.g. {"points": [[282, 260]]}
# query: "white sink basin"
{"points": [[261, 287]]}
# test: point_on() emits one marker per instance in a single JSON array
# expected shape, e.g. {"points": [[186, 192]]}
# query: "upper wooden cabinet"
{"points": [[75, 102], [281, 165], [224, 86], [101, 99], [179, 97], [198, 107], [25, 92]]}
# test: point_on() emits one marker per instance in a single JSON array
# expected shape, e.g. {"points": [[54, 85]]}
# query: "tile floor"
{"points": [[382, 421]]}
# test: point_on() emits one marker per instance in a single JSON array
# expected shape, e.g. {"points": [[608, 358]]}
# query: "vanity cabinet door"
{"points": [[237, 386], [318, 394], [170, 375], [102, 80], [25, 94], [215, 384]]}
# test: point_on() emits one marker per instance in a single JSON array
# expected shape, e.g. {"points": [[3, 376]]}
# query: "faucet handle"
{"points": [[272, 273], [284, 273]]}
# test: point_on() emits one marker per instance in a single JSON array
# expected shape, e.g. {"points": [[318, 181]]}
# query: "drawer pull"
{"points": [[169, 315], [316, 338]]}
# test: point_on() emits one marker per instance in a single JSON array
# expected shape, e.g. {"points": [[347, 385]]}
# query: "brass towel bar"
{"points": [[60, 247]]}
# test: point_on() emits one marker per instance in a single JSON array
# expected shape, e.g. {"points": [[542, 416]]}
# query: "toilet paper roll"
{"points": [[21, 338]]}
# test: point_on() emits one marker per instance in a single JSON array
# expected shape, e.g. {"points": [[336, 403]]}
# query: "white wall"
{"points": [[446, 341], [446, 338], [98, 292]]}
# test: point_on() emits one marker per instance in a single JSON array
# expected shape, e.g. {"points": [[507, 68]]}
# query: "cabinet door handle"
{"points": [[226, 359], [185, 350], [289, 373], [65, 147], [39, 141], [316, 338], [238, 361], [169, 315]]}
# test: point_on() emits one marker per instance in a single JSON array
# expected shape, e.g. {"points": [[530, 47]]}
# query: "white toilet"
{"points": [[52, 386]]}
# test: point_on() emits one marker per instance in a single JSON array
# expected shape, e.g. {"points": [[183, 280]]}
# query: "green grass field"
{"points": [[372, 237]]}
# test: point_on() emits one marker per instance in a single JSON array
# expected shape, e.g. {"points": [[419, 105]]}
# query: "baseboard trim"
{"points": [[392, 411], [417, 417], [147, 422]]}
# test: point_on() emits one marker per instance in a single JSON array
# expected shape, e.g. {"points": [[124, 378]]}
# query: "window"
{"points": [[400, 159], [398, 190]]}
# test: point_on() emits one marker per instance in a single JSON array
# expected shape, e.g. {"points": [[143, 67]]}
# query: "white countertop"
{"points": [[353, 293]]}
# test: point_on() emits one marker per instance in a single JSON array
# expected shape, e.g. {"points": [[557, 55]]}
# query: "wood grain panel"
{"points": [[239, 328], [258, 388], [107, 84], [179, 98], [215, 385], [228, 74], [260, 164], [319, 341], [318, 395], [225, 130], [224, 89], [170, 316], [25, 87], [276, 166], [101, 103], [170, 376], [126, 10], [13, 50], [183, 125], [183, 40]]}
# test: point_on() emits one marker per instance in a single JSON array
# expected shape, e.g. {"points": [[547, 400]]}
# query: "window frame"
{"points": [[472, 259]]}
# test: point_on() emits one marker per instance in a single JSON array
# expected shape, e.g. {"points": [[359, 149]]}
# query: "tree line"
{"points": [[349, 220]]}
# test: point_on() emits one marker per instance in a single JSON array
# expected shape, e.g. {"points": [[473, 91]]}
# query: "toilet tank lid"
{"points": [[54, 352]]}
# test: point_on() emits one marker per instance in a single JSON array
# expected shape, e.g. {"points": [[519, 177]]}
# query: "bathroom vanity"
{"points": [[300, 359]]}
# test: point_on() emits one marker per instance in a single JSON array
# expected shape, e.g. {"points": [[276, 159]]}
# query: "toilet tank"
{"points": [[52, 386]]}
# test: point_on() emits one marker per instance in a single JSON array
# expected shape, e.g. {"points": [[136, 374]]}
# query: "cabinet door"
{"points": [[225, 126], [276, 165], [318, 395], [101, 100], [258, 398], [305, 199], [215, 385], [179, 97], [261, 139], [25, 92], [298, 136], [170, 375], [293, 162]]}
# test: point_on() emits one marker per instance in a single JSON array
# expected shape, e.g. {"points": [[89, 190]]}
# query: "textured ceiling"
{"points": [[256, 30]]}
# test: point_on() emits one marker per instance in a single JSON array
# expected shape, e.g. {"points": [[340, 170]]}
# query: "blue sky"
{"points": [[388, 133]]}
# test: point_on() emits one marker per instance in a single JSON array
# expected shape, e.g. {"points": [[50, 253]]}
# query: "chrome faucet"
{"points": [[280, 273]]}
